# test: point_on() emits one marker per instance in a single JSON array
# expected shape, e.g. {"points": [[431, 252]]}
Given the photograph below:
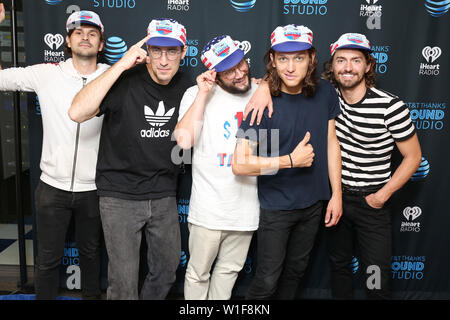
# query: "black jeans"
{"points": [[284, 242], [372, 230], [54, 209]]}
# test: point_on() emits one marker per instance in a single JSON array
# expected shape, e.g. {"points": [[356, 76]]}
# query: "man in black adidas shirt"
{"points": [[372, 122], [136, 179]]}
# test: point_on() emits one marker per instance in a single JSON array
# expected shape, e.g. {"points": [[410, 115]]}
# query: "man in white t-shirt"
{"points": [[224, 208]]}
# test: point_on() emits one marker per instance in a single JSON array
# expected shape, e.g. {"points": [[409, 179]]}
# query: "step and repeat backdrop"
{"points": [[410, 43]]}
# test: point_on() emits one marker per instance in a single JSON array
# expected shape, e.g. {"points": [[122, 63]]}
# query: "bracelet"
{"points": [[292, 165]]}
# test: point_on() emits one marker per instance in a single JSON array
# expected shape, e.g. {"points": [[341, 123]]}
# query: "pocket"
{"points": [[369, 206]]}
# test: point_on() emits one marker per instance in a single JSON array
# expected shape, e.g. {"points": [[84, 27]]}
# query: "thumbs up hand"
{"points": [[303, 154]]}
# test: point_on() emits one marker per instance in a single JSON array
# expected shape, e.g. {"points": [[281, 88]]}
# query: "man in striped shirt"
{"points": [[372, 122]]}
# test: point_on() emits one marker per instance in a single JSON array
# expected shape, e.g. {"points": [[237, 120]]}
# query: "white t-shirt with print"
{"points": [[219, 199]]}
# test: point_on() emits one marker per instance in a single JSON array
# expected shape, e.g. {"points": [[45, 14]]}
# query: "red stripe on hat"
{"points": [[333, 47], [272, 35], [209, 65], [183, 39], [204, 60]]}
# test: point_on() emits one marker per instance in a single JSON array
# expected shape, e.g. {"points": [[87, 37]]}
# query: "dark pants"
{"points": [[124, 222], [372, 230], [284, 242], [54, 210]]}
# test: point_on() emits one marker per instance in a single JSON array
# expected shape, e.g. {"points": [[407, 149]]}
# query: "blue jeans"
{"points": [[54, 210], [124, 221], [284, 241]]}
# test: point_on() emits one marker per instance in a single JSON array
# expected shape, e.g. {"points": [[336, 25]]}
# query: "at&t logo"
{"points": [[411, 214], [115, 48], [423, 171], [305, 7], [54, 42], [243, 5], [437, 8], [431, 55], [53, 2], [183, 259]]}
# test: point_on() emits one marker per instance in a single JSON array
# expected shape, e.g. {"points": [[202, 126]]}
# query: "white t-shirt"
{"points": [[219, 199]]}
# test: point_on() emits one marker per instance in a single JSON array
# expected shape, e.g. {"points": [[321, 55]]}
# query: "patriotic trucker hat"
{"points": [[83, 17], [166, 33], [291, 38], [221, 53], [351, 41]]}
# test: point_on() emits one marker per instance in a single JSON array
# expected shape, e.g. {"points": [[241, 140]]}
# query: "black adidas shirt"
{"points": [[134, 160]]}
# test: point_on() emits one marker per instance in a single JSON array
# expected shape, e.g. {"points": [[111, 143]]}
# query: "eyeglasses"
{"points": [[231, 73], [171, 54]]}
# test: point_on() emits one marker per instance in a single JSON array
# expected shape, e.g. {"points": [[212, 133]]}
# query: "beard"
{"points": [[350, 84], [233, 89], [82, 54]]}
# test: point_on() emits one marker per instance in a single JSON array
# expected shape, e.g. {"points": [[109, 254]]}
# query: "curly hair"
{"points": [[309, 83], [370, 76]]}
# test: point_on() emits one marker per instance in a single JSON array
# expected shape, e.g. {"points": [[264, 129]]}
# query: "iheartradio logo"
{"points": [[244, 45], [431, 54], [412, 214], [53, 40]]}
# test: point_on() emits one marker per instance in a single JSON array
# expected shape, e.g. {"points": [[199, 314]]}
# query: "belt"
{"points": [[363, 191]]}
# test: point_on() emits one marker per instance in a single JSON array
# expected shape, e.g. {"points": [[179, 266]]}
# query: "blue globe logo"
{"points": [[115, 49], [242, 5], [53, 2], [183, 259], [354, 265], [423, 171], [437, 8]]}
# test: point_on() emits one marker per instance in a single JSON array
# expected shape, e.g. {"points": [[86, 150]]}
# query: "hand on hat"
{"points": [[206, 80], [135, 55]]}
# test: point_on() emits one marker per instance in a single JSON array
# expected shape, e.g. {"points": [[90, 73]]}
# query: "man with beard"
{"points": [[296, 156], [224, 208], [136, 178], [69, 153], [372, 122]]}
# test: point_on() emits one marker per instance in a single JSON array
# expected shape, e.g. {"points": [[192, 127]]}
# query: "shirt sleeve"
{"points": [[113, 99], [398, 121], [21, 79], [255, 132], [334, 108], [187, 100]]}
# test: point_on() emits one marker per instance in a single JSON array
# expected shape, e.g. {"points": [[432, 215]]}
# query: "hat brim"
{"points": [[75, 24], [230, 61], [164, 42], [353, 46], [291, 46]]}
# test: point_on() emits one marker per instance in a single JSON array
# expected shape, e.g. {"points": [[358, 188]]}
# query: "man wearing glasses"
{"points": [[224, 208], [136, 180]]}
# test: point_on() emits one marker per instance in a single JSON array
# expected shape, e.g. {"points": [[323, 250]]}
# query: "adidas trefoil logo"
{"points": [[160, 118]]}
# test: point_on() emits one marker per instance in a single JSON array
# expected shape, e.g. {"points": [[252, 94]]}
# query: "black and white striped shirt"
{"points": [[367, 132]]}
